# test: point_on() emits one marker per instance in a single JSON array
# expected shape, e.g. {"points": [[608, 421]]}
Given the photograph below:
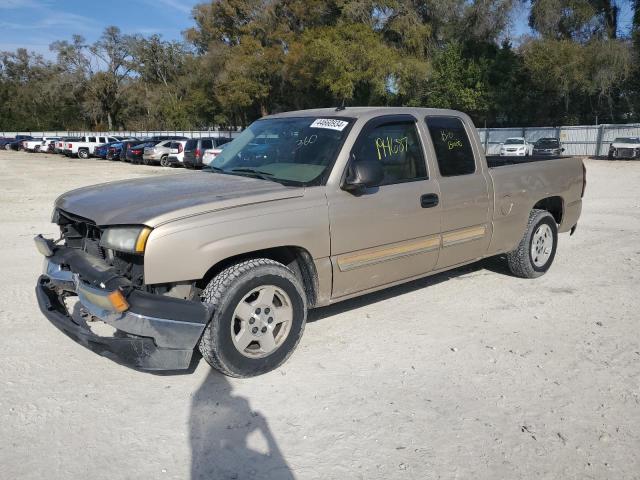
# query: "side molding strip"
{"points": [[465, 235], [349, 262]]}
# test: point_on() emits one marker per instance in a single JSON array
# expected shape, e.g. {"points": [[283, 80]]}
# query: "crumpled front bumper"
{"points": [[156, 332]]}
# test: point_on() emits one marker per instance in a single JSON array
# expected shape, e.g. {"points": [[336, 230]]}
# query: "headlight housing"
{"points": [[125, 239]]}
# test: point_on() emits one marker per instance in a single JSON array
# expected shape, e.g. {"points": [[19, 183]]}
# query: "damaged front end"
{"points": [[146, 330]]}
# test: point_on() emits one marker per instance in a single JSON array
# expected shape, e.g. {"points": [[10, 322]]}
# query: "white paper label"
{"points": [[330, 123]]}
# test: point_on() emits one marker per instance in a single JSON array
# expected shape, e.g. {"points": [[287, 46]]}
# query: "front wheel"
{"points": [[259, 315], [537, 249]]}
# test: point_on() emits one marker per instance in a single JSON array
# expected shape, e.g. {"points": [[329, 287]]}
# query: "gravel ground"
{"points": [[468, 374]]}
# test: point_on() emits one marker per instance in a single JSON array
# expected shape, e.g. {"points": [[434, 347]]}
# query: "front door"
{"points": [[391, 232]]}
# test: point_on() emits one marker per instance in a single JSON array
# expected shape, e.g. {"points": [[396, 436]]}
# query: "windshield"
{"points": [[514, 141], [547, 142], [627, 140], [295, 151]]}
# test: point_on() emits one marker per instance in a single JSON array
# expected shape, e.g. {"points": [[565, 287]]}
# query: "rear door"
{"points": [[464, 191], [391, 232]]}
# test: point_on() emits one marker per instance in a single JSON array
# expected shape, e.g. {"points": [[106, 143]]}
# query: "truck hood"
{"points": [[625, 145], [153, 201]]}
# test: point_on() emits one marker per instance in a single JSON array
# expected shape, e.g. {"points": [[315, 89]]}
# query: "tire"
{"points": [[164, 161], [83, 153], [7, 147], [233, 288], [529, 260]]}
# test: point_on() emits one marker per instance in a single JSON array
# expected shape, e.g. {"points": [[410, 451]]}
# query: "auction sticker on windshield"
{"points": [[330, 123]]}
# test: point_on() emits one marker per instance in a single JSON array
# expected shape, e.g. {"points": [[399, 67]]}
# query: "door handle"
{"points": [[429, 200]]}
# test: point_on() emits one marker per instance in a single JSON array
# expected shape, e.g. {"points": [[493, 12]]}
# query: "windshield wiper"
{"points": [[262, 175], [254, 171], [251, 170]]}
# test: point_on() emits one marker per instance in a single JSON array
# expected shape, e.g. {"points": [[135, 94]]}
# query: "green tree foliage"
{"points": [[242, 59]]}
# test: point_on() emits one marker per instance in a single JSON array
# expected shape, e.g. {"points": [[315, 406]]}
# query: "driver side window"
{"points": [[396, 145]]}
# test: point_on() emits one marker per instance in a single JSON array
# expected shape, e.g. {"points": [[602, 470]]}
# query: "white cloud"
{"points": [[10, 4], [181, 6]]}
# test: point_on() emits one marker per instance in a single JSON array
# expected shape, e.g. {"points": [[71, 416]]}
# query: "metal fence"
{"points": [[128, 133], [583, 140]]}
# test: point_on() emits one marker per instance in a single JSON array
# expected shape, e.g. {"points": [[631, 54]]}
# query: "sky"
{"points": [[34, 24]]}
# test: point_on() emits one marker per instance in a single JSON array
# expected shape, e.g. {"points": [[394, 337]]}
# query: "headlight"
{"points": [[125, 239]]}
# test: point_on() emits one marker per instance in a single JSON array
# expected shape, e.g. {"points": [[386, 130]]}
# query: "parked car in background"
{"points": [[547, 147], [135, 151], [49, 146], [5, 140], [32, 145], [624, 147], [102, 151], [60, 144], [37, 144], [159, 152], [117, 150], [194, 150], [17, 143], [211, 153], [85, 147], [516, 147], [176, 159]]}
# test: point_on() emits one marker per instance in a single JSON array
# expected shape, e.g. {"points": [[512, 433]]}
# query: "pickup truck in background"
{"points": [[84, 147], [37, 144], [624, 147], [335, 203]]}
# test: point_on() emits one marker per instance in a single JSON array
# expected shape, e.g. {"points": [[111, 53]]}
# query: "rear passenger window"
{"points": [[397, 146], [207, 144], [452, 146], [91, 139], [102, 140]]}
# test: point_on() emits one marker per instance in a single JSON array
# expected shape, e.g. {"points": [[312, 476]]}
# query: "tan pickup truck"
{"points": [[302, 210]]}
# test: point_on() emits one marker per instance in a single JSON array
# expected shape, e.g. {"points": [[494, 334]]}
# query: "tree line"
{"points": [[243, 59]]}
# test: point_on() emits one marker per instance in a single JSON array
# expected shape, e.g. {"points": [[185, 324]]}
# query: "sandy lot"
{"points": [[470, 374]]}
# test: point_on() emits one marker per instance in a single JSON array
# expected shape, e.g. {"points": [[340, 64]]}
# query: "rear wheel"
{"points": [[259, 315], [537, 249], [164, 161], [7, 147], [84, 153]]}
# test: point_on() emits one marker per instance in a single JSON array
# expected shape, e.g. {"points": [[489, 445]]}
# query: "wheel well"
{"points": [[298, 259], [553, 205]]}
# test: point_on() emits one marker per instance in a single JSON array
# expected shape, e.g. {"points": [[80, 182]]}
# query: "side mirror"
{"points": [[362, 175], [562, 149]]}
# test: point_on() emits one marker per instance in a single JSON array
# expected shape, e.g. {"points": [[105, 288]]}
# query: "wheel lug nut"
{"points": [[270, 320], [254, 330], [252, 321], [267, 310], [257, 311], [264, 329]]}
